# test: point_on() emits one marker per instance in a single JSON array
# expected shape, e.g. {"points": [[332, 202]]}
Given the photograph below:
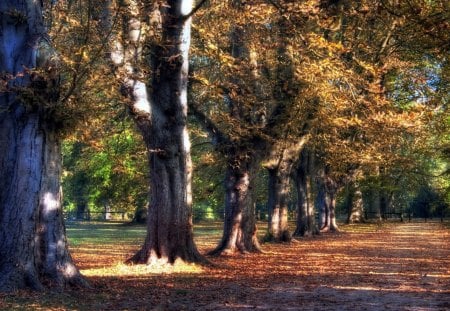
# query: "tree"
{"points": [[303, 175], [33, 246], [107, 171], [163, 123], [76, 184], [242, 146], [327, 189], [355, 206], [289, 141]]}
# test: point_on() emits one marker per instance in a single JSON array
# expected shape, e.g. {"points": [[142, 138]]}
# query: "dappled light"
{"points": [[371, 266], [123, 270], [208, 149]]}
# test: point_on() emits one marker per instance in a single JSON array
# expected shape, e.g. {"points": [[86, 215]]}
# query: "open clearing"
{"points": [[394, 266]]}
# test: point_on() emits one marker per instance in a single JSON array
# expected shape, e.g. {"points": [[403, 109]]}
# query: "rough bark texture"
{"points": [[21, 153], [332, 190], [355, 204], [326, 200], [305, 222], [322, 203], [53, 259], [33, 247], [280, 164], [169, 221], [33, 250], [277, 204], [239, 231]]}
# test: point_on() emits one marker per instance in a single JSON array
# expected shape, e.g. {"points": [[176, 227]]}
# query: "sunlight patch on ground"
{"points": [[122, 269], [401, 288]]}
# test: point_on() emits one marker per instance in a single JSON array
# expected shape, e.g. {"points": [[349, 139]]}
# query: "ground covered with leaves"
{"points": [[390, 266]]}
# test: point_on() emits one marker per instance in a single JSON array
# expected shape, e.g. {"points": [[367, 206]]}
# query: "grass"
{"points": [[363, 267], [102, 233]]}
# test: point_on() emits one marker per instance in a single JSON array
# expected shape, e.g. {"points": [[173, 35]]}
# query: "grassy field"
{"points": [[392, 266]]}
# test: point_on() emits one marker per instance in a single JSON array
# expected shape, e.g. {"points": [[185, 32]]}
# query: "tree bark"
{"points": [[21, 145], [305, 222], [326, 200], [278, 188], [280, 165], [239, 231], [33, 245], [33, 248], [385, 202], [322, 202], [355, 204], [164, 127], [373, 198], [53, 259], [331, 189]]}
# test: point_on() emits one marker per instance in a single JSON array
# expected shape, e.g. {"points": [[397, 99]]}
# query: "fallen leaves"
{"points": [[371, 267]]}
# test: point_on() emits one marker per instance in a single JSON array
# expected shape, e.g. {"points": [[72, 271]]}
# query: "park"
{"points": [[224, 155], [365, 267]]}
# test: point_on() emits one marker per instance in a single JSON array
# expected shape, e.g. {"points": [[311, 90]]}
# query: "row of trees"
{"points": [[335, 94]]}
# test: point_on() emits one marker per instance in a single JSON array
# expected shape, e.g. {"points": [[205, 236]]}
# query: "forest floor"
{"points": [[389, 266]]}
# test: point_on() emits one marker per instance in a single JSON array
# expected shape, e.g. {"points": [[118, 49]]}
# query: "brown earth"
{"points": [[394, 266]]}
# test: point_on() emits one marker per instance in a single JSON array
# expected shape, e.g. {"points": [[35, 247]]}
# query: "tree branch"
{"points": [[194, 10], [218, 136]]}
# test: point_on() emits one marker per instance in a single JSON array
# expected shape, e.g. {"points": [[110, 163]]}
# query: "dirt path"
{"points": [[393, 267], [390, 267]]}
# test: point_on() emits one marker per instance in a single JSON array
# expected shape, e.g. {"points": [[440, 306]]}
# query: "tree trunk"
{"points": [[279, 185], [239, 231], [326, 200], [21, 164], [33, 246], [81, 209], [169, 223], [305, 222], [331, 190], [54, 262], [322, 203], [355, 205], [373, 199], [385, 203], [33, 249]]}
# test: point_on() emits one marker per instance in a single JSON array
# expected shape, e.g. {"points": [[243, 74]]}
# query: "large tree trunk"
{"points": [[285, 151], [239, 231], [305, 222], [53, 259], [280, 165], [169, 223], [279, 186], [33, 249], [21, 166], [33, 246]]}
